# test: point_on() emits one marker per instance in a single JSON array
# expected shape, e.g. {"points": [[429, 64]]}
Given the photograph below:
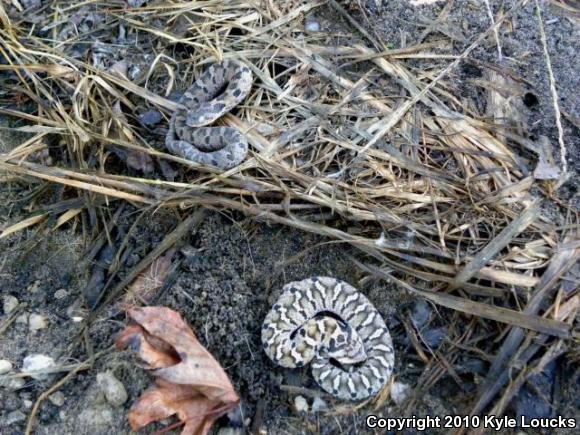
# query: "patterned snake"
{"points": [[217, 91], [330, 323]]}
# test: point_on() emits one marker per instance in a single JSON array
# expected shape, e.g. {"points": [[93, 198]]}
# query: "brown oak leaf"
{"points": [[190, 382]]}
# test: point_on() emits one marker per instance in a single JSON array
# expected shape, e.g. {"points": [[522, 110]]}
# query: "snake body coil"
{"points": [[329, 323], [218, 90]]}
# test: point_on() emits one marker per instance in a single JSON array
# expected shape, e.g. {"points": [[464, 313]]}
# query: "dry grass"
{"points": [[347, 141]]}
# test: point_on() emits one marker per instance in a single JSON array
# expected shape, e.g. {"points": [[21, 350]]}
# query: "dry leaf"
{"points": [[191, 383]]}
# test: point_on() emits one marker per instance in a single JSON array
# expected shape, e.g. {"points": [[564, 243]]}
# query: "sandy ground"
{"points": [[232, 267]]}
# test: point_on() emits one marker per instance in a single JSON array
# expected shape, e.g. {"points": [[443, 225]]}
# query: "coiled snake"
{"points": [[329, 323], [217, 91]]}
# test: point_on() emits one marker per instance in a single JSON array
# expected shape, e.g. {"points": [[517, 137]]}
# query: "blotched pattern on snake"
{"points": [[217, 91], [329, 323]]}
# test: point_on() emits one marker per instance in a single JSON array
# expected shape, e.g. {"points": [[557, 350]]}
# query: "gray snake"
{"points": [[217, 91], [330, 324]]}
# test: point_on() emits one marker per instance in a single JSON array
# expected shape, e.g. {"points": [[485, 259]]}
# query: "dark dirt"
{"points": [[235, 266]]}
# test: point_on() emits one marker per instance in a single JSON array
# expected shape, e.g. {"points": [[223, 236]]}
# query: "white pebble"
{"points": [[60, 294], [38, 362], [5, 366], [300, 404], [312, 26], [319, 405], [27, 403], [399, 392], [75, 312], [12, 384], [14, 417], [113, 389], [57, 399], [36, 322], [10, 304], [230, 431]]}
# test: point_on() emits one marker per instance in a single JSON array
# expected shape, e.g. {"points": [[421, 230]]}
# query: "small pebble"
{"points": [[76, 312], [14, 417], [300, 404], [113, 389], [36, 322], [27, 403], [5, 366], [399, 392], [312, 26], [60, 294], [36, 362], [10, 304], [230, 431], [319, 405], [13, 384], [57, 399]]}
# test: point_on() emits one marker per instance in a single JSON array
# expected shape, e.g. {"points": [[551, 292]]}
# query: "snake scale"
{"points": [[217, 91], [329, 323]]}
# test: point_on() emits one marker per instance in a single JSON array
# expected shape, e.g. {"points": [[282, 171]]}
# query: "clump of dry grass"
{"points": [[347, 141]]}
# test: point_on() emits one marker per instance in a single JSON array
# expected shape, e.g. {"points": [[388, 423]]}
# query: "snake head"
{"points": [[345, 345]]}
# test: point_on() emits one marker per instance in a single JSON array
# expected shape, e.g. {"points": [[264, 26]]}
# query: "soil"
{"points": [[232, 267]]}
